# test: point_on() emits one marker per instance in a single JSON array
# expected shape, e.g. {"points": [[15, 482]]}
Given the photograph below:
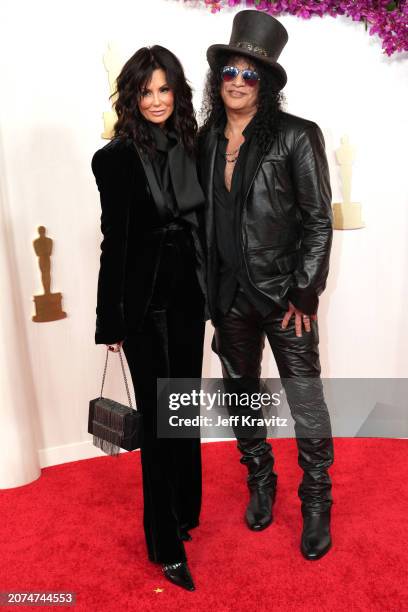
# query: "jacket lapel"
{"points": [[207, 155], [254, 158], [207, 165], [154, 187]]}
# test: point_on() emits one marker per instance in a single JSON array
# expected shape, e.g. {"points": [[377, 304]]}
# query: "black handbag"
{"points": [[114, 425]]}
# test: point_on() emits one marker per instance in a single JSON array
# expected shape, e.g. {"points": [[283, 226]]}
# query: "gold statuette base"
{"points": [[48, 307], [347, 216]]}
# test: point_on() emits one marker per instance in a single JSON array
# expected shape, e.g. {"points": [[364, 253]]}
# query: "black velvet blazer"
{"points": [[133, 235]]}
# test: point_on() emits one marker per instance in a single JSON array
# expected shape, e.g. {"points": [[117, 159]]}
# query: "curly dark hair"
{"points": [[270, 99], [130, 84]]}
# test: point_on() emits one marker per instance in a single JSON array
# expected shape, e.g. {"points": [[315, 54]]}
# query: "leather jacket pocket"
{"points": [[281, 174]]}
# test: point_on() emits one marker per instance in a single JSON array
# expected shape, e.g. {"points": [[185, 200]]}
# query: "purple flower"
{"points": [[388, 19]]}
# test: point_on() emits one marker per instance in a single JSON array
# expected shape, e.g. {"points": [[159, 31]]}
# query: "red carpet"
{"points": [[78, 528]]}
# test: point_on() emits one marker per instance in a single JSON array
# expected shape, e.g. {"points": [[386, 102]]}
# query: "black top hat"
{"points": [[258, 35]]}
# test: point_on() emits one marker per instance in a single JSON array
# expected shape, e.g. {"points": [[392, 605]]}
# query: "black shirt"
{"points": [[227, 206]]}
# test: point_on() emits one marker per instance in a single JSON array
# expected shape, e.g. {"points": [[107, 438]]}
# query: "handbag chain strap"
{"points": [[124, 375]]}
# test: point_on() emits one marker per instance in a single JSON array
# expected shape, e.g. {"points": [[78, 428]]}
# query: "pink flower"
{"points": [[388, 19]]}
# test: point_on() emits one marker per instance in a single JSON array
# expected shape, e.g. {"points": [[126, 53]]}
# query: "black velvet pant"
{"points": [[169, 345], [239, 341]]}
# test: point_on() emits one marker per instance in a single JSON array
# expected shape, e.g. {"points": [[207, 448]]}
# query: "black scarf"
{"points": [[178, 174]]}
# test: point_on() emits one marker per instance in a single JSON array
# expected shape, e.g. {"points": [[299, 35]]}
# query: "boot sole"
{"points": [[316, 557], [260, 528]]}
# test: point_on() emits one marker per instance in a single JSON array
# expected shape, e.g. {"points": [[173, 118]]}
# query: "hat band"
{"points": [[248, 46]]}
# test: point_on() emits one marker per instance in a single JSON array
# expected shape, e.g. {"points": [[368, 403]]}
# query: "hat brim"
{"points": [[280, 73]]}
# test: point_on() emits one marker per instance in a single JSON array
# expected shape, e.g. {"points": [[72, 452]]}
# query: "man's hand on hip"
{"points": [[300, 318]]}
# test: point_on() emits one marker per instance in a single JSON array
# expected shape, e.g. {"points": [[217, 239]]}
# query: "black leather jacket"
{"points": [[286, 215]]}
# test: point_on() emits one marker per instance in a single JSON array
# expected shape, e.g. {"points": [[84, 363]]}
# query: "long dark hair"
{"points": [[130, 83], [270, 100]]}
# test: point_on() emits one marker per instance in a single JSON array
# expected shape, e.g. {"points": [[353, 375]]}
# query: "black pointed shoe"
{"points": [[179, 574], [316, 538], [258, 514], [185, 536]]}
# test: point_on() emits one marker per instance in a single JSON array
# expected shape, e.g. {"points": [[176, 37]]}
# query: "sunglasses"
{"points": [[229, 73]]}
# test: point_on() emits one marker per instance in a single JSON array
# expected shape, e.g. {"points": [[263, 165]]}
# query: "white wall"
{"points": [[53, 92]]}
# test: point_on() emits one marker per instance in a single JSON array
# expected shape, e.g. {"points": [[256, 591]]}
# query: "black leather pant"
{"points": [[239, 341], [169, 345]]}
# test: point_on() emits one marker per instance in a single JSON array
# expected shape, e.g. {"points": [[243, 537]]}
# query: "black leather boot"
{"points": [[315, 457], [179, 574], [261, 482], [316, 538]]}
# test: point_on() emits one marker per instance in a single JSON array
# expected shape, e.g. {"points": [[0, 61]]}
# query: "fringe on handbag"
{"points": [[114, 425]]}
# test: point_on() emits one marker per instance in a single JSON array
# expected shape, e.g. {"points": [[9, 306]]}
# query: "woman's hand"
{"points": [[116, 346]]}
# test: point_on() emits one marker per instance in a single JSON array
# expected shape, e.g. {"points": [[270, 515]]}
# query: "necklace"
{"points": [[233, 152], [227, 155]]}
